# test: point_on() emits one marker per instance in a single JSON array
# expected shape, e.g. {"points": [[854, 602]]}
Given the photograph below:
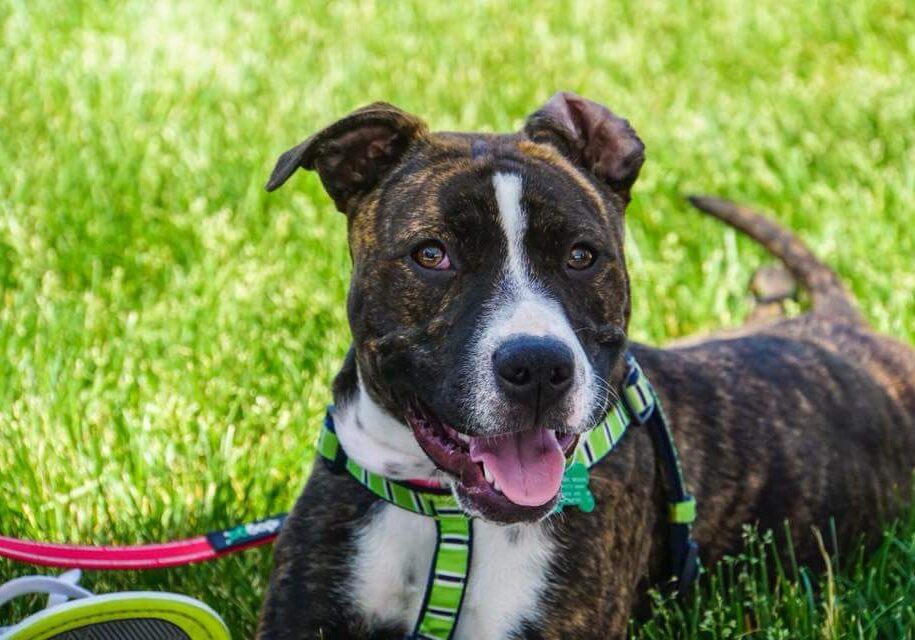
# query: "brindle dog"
{"points": [[490, 299]]}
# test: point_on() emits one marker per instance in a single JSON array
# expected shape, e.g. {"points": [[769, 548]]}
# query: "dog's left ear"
{"points": [[352, 154], [592, 137]]}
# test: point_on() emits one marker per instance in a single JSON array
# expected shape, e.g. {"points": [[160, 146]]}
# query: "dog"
{"points": [[490, 299]]}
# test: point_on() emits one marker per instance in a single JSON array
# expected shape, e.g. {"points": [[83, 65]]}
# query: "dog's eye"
{"points": [[581, 256], [431, 255]]}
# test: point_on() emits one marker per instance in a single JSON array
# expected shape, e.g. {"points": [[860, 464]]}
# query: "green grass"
{"points": [[168, 331], [761, 593]]}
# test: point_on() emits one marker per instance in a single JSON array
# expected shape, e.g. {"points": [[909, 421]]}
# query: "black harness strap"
{"points": [[684, 550]]}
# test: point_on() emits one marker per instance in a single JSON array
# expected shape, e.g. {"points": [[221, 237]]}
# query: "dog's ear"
{"points": [[591, 136], [352, 154]]}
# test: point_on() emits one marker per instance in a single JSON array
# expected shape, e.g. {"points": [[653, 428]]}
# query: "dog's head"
{"points": [[489, 300]]}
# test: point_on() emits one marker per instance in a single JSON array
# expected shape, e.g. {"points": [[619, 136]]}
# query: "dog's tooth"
{"points": [[487, 474], [495, 485]]}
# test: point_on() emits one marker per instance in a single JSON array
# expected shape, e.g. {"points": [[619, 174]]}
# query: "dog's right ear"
{"points": [[592, 136], [352, 154]]}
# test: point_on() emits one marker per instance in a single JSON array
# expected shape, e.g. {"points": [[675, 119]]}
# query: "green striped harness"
{"points": [[450, 568]]}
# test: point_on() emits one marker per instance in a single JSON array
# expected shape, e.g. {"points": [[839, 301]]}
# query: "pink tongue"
{"points": [[528, 465]]}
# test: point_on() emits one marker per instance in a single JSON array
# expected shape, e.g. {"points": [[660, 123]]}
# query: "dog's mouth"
{"points": [[512, 477]]}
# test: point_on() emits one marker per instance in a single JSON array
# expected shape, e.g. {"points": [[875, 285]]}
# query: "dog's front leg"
{"points": [[308, 596]]}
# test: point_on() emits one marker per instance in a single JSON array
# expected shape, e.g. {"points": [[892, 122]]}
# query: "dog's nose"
{"points": [[534, 371]]}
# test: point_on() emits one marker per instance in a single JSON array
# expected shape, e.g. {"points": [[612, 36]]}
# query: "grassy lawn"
{"points": [[168, 331]]}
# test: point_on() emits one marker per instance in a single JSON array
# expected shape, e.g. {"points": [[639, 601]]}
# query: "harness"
{"points": [[449, 572]]}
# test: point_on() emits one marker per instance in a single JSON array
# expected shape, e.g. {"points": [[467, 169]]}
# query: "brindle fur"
{"points": [[798, 420]]}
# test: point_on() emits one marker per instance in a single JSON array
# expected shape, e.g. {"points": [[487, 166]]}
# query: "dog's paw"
{"points": [[771, 284]]}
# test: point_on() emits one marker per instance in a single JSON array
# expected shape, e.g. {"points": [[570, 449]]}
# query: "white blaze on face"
{"points": [[522, 306], [514, 224]]}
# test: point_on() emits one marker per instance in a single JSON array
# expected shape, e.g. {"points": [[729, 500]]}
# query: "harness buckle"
{"points": [[685, 561], [691, 566]]}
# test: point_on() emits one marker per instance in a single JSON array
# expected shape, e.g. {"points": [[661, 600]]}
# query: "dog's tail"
{"points": [[828, 295]]}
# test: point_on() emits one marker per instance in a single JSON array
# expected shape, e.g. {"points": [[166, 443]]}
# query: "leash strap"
{"points": [[448, 573], [148, 556]]}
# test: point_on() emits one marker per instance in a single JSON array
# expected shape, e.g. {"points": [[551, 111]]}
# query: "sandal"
{"points": [[74, 613]]}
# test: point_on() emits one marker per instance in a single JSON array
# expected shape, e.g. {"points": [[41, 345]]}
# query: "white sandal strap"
{"points": [[59, 588]]}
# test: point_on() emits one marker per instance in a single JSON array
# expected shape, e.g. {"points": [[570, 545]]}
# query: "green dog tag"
{"points": [[575, 489]]}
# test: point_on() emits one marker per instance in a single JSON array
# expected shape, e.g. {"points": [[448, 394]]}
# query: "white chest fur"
{"points": [[508, 574]]}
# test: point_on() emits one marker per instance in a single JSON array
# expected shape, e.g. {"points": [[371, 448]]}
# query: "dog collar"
{"points": [[638, 404]]}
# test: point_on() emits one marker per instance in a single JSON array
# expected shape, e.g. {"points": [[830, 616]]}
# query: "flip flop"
{"points": [[74, 613]]}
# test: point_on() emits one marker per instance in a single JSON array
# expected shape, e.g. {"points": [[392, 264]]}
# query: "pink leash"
{"points": [[147, 556]]}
